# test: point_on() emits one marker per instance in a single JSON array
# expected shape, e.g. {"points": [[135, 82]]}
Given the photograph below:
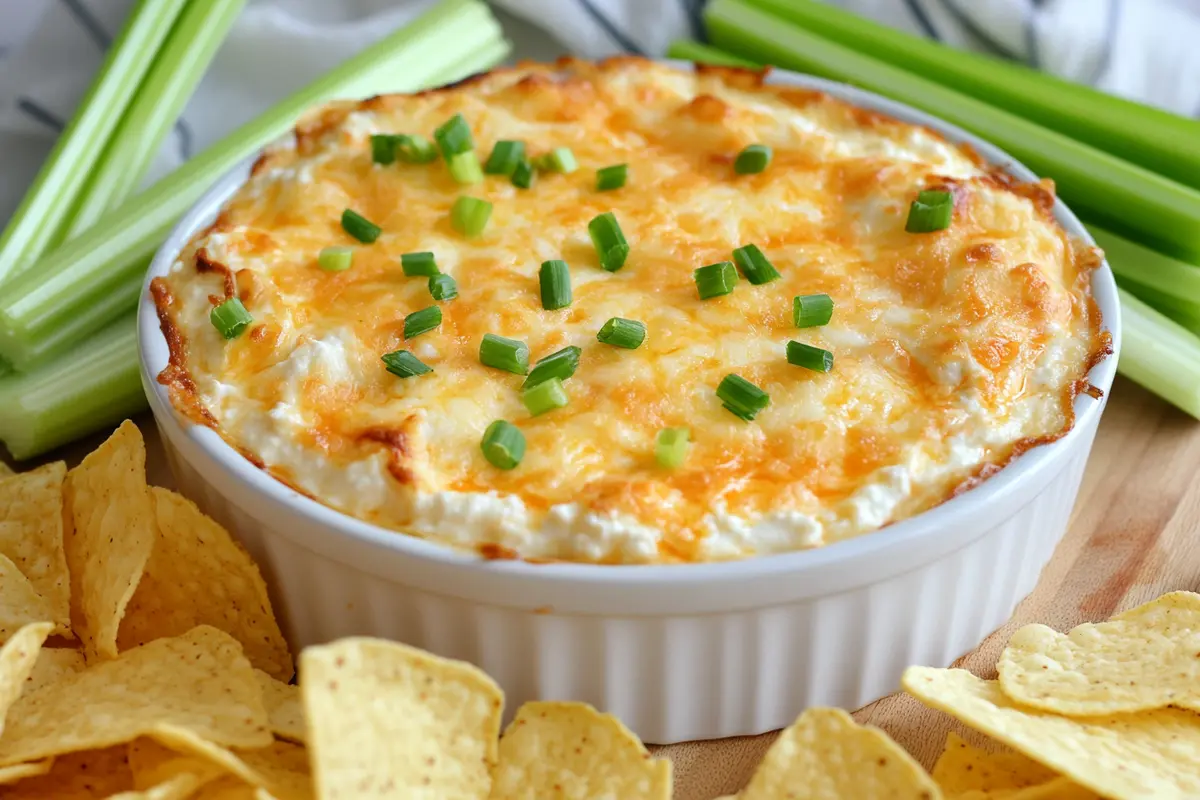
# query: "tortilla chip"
{"points": [[1139, 660], [552, 746], [963, 767], [31, 536], [281, 768], [154, 764], [284, 711], [198, 575], [231, 789], [177, 788], [385, 718], [113, 532], [53, 664], [6, 470], [1150, 753], [832, 757], [200, 681], [17, 658], [18, 771], [20, 603], [77, 776]]}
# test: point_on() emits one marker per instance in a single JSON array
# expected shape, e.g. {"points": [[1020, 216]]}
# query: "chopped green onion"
{"points": [[443, 287], [414, 149], [614, 177], [809, 357], [383, 148], [626, 333], [545, 396], [931, 211], [360, 227], [464, 167], [741, 397], [335, 259], [421, 264], [503, 444], [812, 310], [469, 215], [671, 447], [454, 137], [523, 174], [755, 266], [560, 364], [609, 241], [555, 280], [753, 159], [715, 279], [404, 364], [422, 321], [560, 159], [509, 355], [505, 156], [231, 318]]}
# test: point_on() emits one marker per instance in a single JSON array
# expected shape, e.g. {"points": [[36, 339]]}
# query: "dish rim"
{"points": [[1011, 481]]}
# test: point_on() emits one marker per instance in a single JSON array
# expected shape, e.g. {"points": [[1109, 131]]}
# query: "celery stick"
{"points": [[687, 50], [100, 259], [1159, 354], [1119, 195], [1186, 314], [96, 386], [1136, 264], [40, 221], [1155, 139], [183, 61]]}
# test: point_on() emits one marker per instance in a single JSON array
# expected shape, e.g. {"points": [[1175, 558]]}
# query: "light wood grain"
{"points": [[1133, 537]]}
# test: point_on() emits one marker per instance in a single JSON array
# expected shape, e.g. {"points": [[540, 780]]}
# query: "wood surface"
{"points": [[1133, 537]]}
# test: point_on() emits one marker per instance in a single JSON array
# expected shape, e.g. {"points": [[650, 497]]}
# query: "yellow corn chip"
{"points": [[386, 719], [18, 771], [6, 470], [963, 767], [20, 603], [53, 664], [198, 575], [285, 714], [154, 764], [113, 532], [31, 536], [1142, 659], [77, 776], [572, 750], [281, 768], [177, 788], [826, 755], [1147, 754], [200, 681], [231, 789], [17, 658]]}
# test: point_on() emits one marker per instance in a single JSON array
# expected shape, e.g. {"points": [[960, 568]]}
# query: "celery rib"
{"points": [[41, 219], [688, 50], [1159, 354], [1134, 264]]}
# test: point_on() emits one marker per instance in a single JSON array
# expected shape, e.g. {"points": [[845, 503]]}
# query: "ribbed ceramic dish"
{"points": [[677, 652]]}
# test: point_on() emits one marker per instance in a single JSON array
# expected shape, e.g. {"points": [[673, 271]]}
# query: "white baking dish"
{"points": [[678, 652]]}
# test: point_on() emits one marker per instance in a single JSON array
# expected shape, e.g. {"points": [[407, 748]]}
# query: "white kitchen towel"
{"points": [[49, 50]]}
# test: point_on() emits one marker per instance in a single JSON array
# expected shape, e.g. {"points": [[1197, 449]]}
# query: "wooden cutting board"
{"points": [[1132, 538]]}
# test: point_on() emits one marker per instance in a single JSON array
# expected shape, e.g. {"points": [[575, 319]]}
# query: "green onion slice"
{"points": [[523, 174], [383, 148], [609, 241], [422, 321], [554, 279], [753, 159], [809, 357], [509, 355], [469, 215], [560, 159], [231, 318], [545, 396], [560, 364], [415, 149], [454, 137], [404, 364], [671, 447], [503, 444], [715, 279], [609, 178], [741, 397], [443, 287], [931, 211], [812, 310], [505, 157], [464, 167], [360, 227], [755, 266], [335, 259], [626, 333], [421, 264]]}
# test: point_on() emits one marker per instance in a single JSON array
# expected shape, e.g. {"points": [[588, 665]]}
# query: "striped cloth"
{"points": [[1143, 49]]}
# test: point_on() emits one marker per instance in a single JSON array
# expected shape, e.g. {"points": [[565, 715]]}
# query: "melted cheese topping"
{"points": [[953, 350]]}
